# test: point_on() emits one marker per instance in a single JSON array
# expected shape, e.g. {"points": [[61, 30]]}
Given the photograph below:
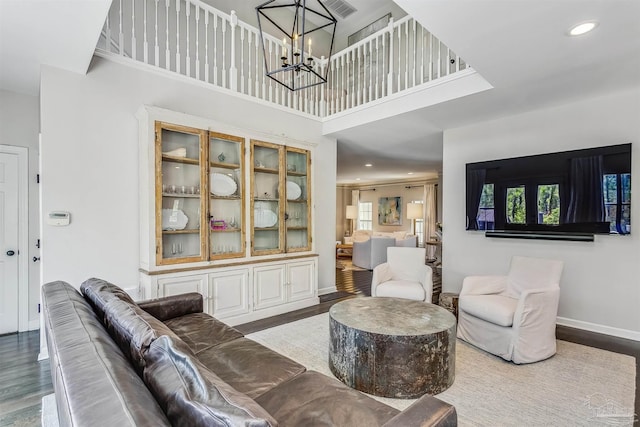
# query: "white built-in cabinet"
{"points": [[227, 214]]}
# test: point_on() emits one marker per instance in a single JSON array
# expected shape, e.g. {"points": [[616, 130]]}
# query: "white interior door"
{"points": [[9, 283]]}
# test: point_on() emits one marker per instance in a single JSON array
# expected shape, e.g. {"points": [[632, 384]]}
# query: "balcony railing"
{"points": [[193, 39]]}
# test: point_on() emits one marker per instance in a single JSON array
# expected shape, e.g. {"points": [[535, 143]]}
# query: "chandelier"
{"points": [[289, 61]]}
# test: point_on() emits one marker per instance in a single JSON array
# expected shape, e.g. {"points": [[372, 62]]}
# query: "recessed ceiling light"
{"points": [[357, 179], [409, 173], [368, 165], [582, 28]]}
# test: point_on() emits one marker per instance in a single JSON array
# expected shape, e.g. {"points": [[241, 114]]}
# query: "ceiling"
{"points": [[519, 47]]}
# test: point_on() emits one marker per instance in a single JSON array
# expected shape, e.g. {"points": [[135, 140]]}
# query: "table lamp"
{"points": [[414, 211], [352, 213]]}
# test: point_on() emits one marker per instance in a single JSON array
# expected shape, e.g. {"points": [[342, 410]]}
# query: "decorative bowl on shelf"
{"points": [[222, 185], [174, 219]]}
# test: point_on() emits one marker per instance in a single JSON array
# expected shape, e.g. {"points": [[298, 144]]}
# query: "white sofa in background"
{"points": [[370, 248]]}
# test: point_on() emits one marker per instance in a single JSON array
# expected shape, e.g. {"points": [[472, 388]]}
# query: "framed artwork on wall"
{"points": [[390, 211]]}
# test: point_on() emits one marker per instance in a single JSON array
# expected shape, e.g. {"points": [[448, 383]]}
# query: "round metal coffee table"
{"points": [[392, 347]]}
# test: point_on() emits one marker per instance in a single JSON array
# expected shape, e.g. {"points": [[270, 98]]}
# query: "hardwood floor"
{"points": [[24, 380]]}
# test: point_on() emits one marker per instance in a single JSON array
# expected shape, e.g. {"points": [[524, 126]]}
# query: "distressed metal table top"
{"points": [[392, 316]]}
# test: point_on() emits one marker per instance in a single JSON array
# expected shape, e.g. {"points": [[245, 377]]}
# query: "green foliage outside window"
{"points": [[516, 205], [548, 204]]}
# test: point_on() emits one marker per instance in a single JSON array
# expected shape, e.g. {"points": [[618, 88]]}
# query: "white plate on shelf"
{"points": [[174, 219], [293, 191], [264, 218], [222, 185]]}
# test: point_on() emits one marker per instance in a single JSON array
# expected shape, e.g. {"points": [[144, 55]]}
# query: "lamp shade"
{"points": [[414, 210], [352, 212]]}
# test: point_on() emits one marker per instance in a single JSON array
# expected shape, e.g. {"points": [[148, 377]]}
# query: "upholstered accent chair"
{"points": [[404, 275], [513, 316]]}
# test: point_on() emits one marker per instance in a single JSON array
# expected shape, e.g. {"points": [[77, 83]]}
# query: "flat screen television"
{"points": [[569, 193]]}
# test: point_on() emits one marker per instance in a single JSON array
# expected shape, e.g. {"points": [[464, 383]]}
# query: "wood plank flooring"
{"points": [[24, 380]]}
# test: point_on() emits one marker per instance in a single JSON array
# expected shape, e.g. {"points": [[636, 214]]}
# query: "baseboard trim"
{"points": [[329, 290], [601, 329]]}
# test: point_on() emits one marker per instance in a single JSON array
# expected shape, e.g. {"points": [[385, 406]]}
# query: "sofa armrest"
{"points": [[426, 411], [173, 306]]}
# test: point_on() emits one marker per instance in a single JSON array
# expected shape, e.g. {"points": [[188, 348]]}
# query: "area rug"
{"points": [[579, 386]]}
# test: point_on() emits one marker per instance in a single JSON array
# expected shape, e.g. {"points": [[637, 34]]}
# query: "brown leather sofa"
{"points": [[165, 362]]}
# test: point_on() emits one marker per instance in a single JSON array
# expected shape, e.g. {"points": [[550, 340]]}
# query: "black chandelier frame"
{"points": [[296, 60]]}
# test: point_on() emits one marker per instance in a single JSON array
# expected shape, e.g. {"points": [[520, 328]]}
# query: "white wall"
{"points": [[600, 289], [416, 192], [90, 164], [19, 126]]}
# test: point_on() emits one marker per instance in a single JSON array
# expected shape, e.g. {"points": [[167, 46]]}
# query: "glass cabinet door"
{"points": [[226, 204], [267, 210], [180, 211], [298, 221]]}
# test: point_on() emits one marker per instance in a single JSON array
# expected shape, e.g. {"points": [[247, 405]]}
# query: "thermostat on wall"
{"points": [[58, 218]]}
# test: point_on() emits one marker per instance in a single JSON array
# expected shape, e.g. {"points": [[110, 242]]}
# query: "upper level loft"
{"points": [[194, 40]]}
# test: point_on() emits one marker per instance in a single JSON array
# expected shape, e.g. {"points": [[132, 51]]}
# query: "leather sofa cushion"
{"points": [[134, 329], [131, 327], [94, 382], [99, 292], [249, 367], [319, 400], [191, 395], [201, 331]]}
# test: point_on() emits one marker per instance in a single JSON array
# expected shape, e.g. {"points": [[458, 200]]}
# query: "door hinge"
{"points": [[38, 308], [38, 244], [38, 178]]}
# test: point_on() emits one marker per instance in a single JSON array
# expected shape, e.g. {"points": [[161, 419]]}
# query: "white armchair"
{"points": [[513, 316], [404, 275]]}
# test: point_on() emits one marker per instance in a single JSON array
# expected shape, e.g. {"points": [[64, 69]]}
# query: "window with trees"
{"points": [[419, 231], [617, 201], [485, 216]]}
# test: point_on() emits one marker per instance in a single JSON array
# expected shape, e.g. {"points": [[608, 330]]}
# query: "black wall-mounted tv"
{"points": [[569, 192]]}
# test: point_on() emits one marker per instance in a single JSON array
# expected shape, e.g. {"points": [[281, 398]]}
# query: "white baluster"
{"points": [[430, 56], [249, 65], [370, 70], [256, 48], [399, 86], [423, 52], [167, 51], [377, 94], [233, 71], [323, 102], [121, 35], [215, 49], [415, 52], [133, 30], [156, 47], [264, 76], [108, 33], [242, 85], [224, 53], [145, 42], [390, 64], [343, 77], [206, 46], [178, 64], [197, 10], [187, 10]]}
